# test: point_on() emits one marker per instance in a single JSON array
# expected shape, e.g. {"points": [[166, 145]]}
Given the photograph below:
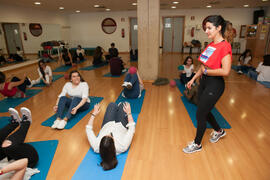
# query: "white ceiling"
{"points": [[126, 5]]}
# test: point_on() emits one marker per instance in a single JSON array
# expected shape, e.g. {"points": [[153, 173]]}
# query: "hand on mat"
{"points": [[127, 108], [96, 109], [55, 108], [73, 111]]}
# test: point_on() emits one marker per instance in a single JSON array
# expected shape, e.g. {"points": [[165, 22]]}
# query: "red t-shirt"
{"points": [[214, 53], [8, 93]]}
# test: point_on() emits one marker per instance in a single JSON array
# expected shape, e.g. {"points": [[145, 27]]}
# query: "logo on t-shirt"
{"points": [[207, 54]]}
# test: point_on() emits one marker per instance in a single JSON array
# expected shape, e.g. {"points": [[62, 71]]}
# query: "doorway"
{"points": [[133, 33], [173, 34], [12, 37]]}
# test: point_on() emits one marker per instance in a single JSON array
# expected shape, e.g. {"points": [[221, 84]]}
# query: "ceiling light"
{"points": [[37, 3], [246, 5], [209, 6], [264, 0], [175, 2], [61, 8], [96, 6], [78, 11], [173, 7], [107, 9], [134, 4]]}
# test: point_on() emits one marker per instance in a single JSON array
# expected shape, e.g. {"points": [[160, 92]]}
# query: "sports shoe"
{"points": [[192, 147], [61, 124], [239, 72], [215, 136], [55, 124], [124, 84], [26, 114], [127, 85], [14, 115]]}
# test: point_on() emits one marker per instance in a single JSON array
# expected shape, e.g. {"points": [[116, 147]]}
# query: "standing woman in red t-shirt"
{"points": [[215, 63]]}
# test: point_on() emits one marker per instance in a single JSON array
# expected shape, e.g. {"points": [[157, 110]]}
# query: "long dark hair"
{"points": [[40, 68], [244, 54], [98, 52], [2, 77], [107, 153], [218, 20], [266, 60], [75, 71], [189, 57]]}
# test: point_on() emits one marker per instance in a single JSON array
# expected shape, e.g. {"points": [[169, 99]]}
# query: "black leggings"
{"points": [[210, 90], [115, 113], [18, 149], [22, 86]]}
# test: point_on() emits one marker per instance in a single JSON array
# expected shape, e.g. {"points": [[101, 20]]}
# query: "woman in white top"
{"points": [[45, 74], [116, 133], [80, 53], [78, 91], [188, 72], [245, 62], [262, 72]]}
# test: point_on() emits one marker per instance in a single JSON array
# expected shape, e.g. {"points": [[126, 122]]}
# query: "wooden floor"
{"points": [[164, 128]]}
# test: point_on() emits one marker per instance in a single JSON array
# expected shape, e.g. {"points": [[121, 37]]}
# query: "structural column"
{"points": [[148, 38]]}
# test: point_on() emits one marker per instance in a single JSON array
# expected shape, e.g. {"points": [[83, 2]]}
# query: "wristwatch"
{"points": [[205, 71]]}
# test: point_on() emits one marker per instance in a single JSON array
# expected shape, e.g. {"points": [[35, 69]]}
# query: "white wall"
{"points": [[86, 28], [52, 23]]}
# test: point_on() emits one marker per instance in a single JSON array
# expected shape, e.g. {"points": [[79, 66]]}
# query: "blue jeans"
{"points": [[245, 69], [253, 75], [70, 103], [115, 113], [135, 91]]}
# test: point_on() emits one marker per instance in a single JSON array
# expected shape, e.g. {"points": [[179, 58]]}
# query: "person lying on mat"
{"points": [[45, 74], [13, 147], [133, 84], [16, 88], [77, 90], [115, 136], [66, 56]]}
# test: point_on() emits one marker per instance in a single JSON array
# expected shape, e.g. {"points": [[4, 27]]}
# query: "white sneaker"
{"points": [[124, 84], [61, 124], [26, 114], [129, 85], [239, 72], [14, 115], [55, 124]]}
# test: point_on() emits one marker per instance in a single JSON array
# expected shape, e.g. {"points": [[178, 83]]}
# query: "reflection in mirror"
{"points": [[108, 25]]}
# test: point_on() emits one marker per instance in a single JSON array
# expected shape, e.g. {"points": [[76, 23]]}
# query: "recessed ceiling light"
{"points": [[107, 9], [246, 5], [209, 6], [96, 6], [78, 11], [134, 4], [264, 0], [175, 2], [173, 7], [61, 8], [37, 3]]}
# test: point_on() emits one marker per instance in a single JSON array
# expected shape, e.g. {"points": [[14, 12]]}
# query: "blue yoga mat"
{"points": [[192, 109], [110, 75], [55, 77], [180, 86], [46, 151], [4, 121], [13, 102], [88, 68], [62, 69], [135, 104], [75, 119], [90, 168]]}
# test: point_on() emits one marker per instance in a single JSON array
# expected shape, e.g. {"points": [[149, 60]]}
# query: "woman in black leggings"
{"points": [[13, 146], [216, 63]]}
